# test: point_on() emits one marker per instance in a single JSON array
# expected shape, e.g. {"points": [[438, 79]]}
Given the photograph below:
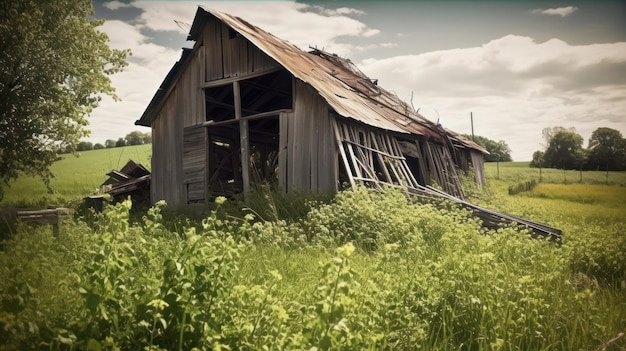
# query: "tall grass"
{"points": [[366, 270]]}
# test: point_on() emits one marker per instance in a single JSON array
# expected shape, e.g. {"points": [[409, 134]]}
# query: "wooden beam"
{"points": [[339, 139], [230, 80], [243, 138], [274, 113]]}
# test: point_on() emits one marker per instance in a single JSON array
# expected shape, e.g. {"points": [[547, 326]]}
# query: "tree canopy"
{"points": [[138, 138], [565, 150], [499, 151], [54, 64], [607, 150]]}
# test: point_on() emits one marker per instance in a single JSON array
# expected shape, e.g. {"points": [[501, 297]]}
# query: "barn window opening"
{"points": [[264, 141], [224, 167], [220, 103], [269, 92]]}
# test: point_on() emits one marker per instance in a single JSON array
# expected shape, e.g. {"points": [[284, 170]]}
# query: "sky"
{"points": [[516, 66]]}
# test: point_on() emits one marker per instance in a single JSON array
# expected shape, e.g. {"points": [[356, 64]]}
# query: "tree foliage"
{"points": [[538, 159], [565, 151], [499, 151], [109, 143], [137, 138], [549, 133], [84, 146], [607, 150], [120, 142], [54, 64]]}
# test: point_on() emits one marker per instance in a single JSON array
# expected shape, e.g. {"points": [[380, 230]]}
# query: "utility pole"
{"points": [[472, 122]]}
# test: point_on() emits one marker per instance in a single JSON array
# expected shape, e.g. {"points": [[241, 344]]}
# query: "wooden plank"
{"points": [[404, 167], [342, 152], [246, 75], [422, 164], [357, 170], [381, 160], [283, 143], [243, 137]]}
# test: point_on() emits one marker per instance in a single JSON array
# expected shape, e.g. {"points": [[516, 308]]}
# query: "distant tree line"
{"points": [[499, 151], [563, 149], [133, 138]]}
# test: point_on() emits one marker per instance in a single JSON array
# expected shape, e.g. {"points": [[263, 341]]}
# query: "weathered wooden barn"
{"points": [[244, 107]]}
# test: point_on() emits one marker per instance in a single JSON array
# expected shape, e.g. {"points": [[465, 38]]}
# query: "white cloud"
{"points": [[347, 11], [122, 35], [561, 11], [514, 86], [298, 23], [115, 5]]}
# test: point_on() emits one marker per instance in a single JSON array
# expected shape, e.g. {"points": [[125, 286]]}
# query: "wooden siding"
{"points": [[308, 151], [228, 54], [166, 156], [478, 163], [184, 106], [194, 163]]}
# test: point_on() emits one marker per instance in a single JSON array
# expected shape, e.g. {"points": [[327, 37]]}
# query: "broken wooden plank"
{"points": [[493, 219]]}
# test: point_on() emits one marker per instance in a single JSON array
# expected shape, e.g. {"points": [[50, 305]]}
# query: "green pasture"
{"points": [[74, 176], [520, 171]]}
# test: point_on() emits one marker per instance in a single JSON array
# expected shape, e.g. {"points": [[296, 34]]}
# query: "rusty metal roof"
{"points": [[346, 89]]}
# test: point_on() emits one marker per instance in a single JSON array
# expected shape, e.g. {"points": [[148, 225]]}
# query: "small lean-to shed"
{"points": [[244, 107]]}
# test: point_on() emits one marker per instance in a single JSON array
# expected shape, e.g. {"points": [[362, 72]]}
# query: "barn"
{"points": [[243, 107]]}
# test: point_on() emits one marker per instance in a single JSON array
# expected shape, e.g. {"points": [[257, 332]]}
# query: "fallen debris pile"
{"points": [[491, 219], [132, 180]]}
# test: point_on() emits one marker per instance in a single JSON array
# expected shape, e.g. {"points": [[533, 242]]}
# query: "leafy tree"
{"points": [[499, 151], [550, 132], [565, 151], [120, 142], [147, 138], [538, 159], [109, 143], [134, 138], [84, 146], [607, 150], [53, 66], [98, 146]]}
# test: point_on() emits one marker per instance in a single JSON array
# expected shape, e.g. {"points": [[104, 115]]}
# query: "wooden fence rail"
{"points": [[52, 217]]}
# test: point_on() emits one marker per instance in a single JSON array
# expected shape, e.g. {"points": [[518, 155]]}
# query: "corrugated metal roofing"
{"points": [[347, 90]]}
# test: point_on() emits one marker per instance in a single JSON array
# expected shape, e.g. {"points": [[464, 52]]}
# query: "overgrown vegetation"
{"points": [[365, 270]]}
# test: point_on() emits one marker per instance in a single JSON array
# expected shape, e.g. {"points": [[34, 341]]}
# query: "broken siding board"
{"points": [[422, 164], [381, 160], [342, 151], [404, 167]]}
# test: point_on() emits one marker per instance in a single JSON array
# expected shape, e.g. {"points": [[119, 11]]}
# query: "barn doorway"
{"points": [[242, 120]]}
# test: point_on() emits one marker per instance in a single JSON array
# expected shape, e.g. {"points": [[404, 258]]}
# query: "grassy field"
{"points": [[366, 270], [75, 177], [520, 171]]}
